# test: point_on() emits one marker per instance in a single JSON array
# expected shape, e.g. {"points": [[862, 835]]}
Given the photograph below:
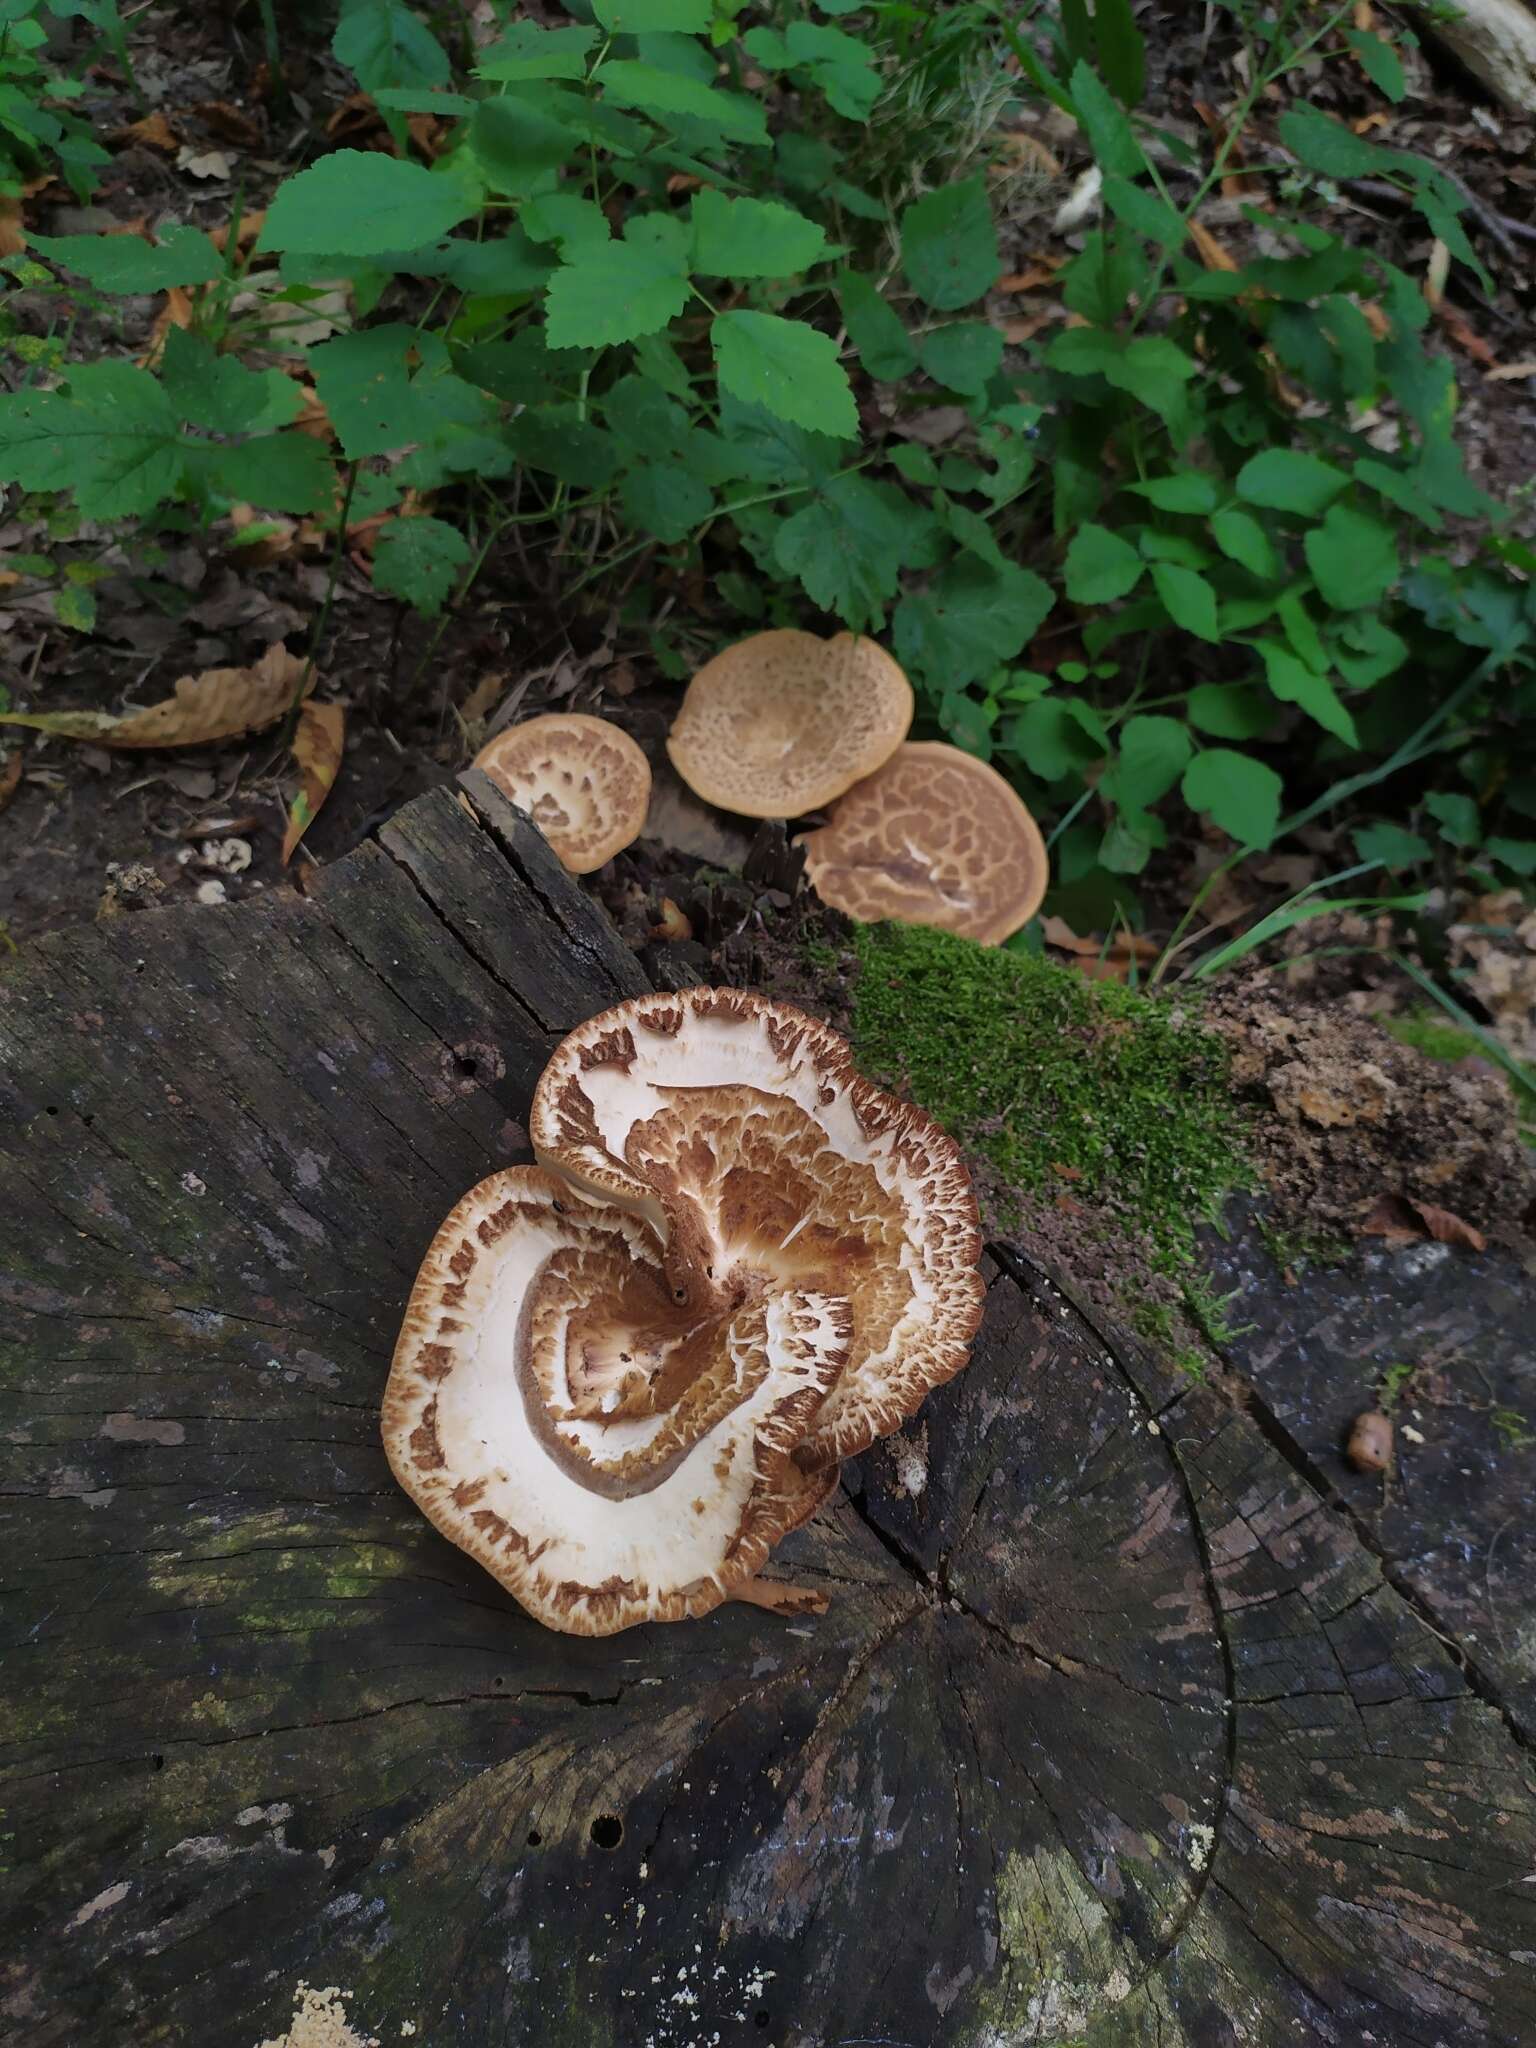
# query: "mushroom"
{"points": [[626, 1372], [780, 724], [933, 837], [583, 781]]}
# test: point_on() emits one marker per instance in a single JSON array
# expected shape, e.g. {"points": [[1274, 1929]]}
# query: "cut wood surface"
{"points": [[1113, 1732]]}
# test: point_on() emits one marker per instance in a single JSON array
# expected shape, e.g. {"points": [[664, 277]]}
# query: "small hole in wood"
{"points": [[607, 1831], [760, 2017], [157, 1763], [466, 1065], [534, 1838], [51, 1109]]}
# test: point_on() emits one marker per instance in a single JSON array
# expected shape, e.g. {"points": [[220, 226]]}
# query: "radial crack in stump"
{"points": [[625, 1374], [583, 781]]}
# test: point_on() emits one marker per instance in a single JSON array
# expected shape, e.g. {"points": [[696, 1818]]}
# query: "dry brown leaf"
{"points": [[1401, 1218], [317, 742], [1446, 1228], [1022, 151], [1365, 16], [1375, 318], [13, 236], [10, 776], [1029, 280], [154, 132], [1213, 254], [203, 163], [484, 697], [1389, 1216], [176, 312], [229, 123], [251, 225], [1017, 331], [428, 133], [357, 120], [276, 538], [1236, 183], [1369, 121], [219, 704], [1463, 335], [1506, 371]]}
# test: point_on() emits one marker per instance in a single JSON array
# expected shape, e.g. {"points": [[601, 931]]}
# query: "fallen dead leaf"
{"points": [[251, 225], [1400, 1218], [684, 181], [13, 236], [1213, 253], [1021, 151], [357, 120], [1029, 280], [1367, 122], [10, 776], [484, 697], [203, 163], [154, 132], [1464, 336], [219, 704], [317, 750], [274, 536], [1236, 183], [1506, 371], [229, 123], [1446, 1228], [177, 311]]}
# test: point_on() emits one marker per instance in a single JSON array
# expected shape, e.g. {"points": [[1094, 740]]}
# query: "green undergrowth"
{"points": [[1060, 1084]]}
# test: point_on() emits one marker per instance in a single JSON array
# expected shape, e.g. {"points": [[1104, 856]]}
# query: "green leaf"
{"points": [[751, 237], [1327, 146], [517, 141], [787, 367], [1391, 845], [275, 472], [965, 356], [648, 17], [1100, 566], [365, 383], [124, 263], [1353, 558], [383, 44], [655, 91], [419, 559], [1058, 736], [570, 220], [217, 393], [114, 441], [1122, 53], [1518, 855], [613, 294], [1242, 795], [847, 547], [1115, 148], [972, 617], [527, 51], [1150, 367], [949, 245], [1289, 480], [1295, 683], [554, 439], [1187, 598], [1229, 711], [664, 499], [914, 463], [1144, 213], [1367, 649], [1152, 756], [876, 330], [1187, 490], [358, 202], [1243, 540], [75, 607], [1379, 61], [1456, 816]]}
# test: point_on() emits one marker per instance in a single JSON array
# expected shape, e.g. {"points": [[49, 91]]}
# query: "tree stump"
{"points": [[1112, 1732]]}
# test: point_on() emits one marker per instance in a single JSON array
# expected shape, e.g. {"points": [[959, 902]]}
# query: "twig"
{"points": [[1499, 225], [330, 591]]}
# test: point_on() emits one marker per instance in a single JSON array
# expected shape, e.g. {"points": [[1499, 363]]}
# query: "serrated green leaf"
{"points": [[74, 607], [1242, 795], [1187, 490], [274, 472], [1391, 845], [1058, 736], [358, 202], [848, 545], [1456, 815], [1150, 759], [1100, 566], [1353, 558], [751, 237], [554, 438], [876, 329], [1327, 146], [369, 392], [114, 441], [972, 618], [1295, 683], [664, 499], [1518, 855], [963, 356], [787, 367], [383, 44], [1115, 148], [1243, 540], [220, 394], [516, 141], [1229, 711], [1379, 61], [419, 559], [124, 263], [1187, 598], [654, 91], [524, 50], [1144, 213], [1289, 480], [949, 245], [914, 463], [613, 294], [649, 17]]}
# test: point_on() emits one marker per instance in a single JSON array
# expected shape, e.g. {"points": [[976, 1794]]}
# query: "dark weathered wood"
{"points": [[1112, 1733]]}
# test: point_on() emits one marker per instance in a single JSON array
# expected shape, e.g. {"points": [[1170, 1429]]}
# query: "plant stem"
{"points": [[330, 592]]}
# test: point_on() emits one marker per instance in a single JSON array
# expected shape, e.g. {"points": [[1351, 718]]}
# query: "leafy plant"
{"points": [[37, 129]]}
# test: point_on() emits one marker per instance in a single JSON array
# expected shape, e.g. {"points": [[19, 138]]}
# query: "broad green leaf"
{"points": [[1229, 711], [1152, 756], [647, 17], [965, 356], [1295, 683], [1058, 736], [1301, 631], [876, 330], [1327, 146], [664, 499], [613, 294], [124, 263], [1289, 480], [1100, 566], [358, 202], [654, 91], [1115, 148], [1518, 855], [401, 99], [787, 367], [914, 463], [274, 472], [1144, 213], [1187, 598], [419, 559], [114, 441], [848, 545], [516, 142], [1187, 490], [971, 618], [1151, 367], [384, 44], [752, 237], [1121, 51], [949, 245], [1456, 816], [570, 220], [75, 608], [1353, 558], [1159, 544], [839, 65], [370, 395], [1391, 845], [503, 266], [1379, 61], [220, 394], [1242, 795], [553, 438], [646, 420], [1366, 649], [1243, 540], [524, 50]]}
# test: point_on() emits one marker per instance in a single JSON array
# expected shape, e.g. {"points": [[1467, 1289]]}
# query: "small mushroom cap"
{"points": [[583, 781], [933, 837], [780, 724]]}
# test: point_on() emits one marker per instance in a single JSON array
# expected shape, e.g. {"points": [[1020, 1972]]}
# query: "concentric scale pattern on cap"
{"points": [[583, 781], [626, 1373]]}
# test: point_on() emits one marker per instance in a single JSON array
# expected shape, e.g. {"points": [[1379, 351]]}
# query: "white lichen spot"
{"points": [[320, 2021], [909, 1454], [103, 1902], [1117, 1987], [1202, 1840]]}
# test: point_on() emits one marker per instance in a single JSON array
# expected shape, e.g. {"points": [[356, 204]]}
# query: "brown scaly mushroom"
{"points": [[583, 781], [780, 724], [933, 837], [624, 1374]]}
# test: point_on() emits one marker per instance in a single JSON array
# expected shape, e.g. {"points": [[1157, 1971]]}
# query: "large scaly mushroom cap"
{"points": [[625, 1374], [583, 781], [933, 837], [780, 724]]}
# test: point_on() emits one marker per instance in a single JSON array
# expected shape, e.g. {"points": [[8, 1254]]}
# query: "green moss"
{"points": [[1431, 1033], [1055, 1080]]}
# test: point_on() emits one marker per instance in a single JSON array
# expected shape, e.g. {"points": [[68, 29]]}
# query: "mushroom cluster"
{"points": [[626, 1372]]}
